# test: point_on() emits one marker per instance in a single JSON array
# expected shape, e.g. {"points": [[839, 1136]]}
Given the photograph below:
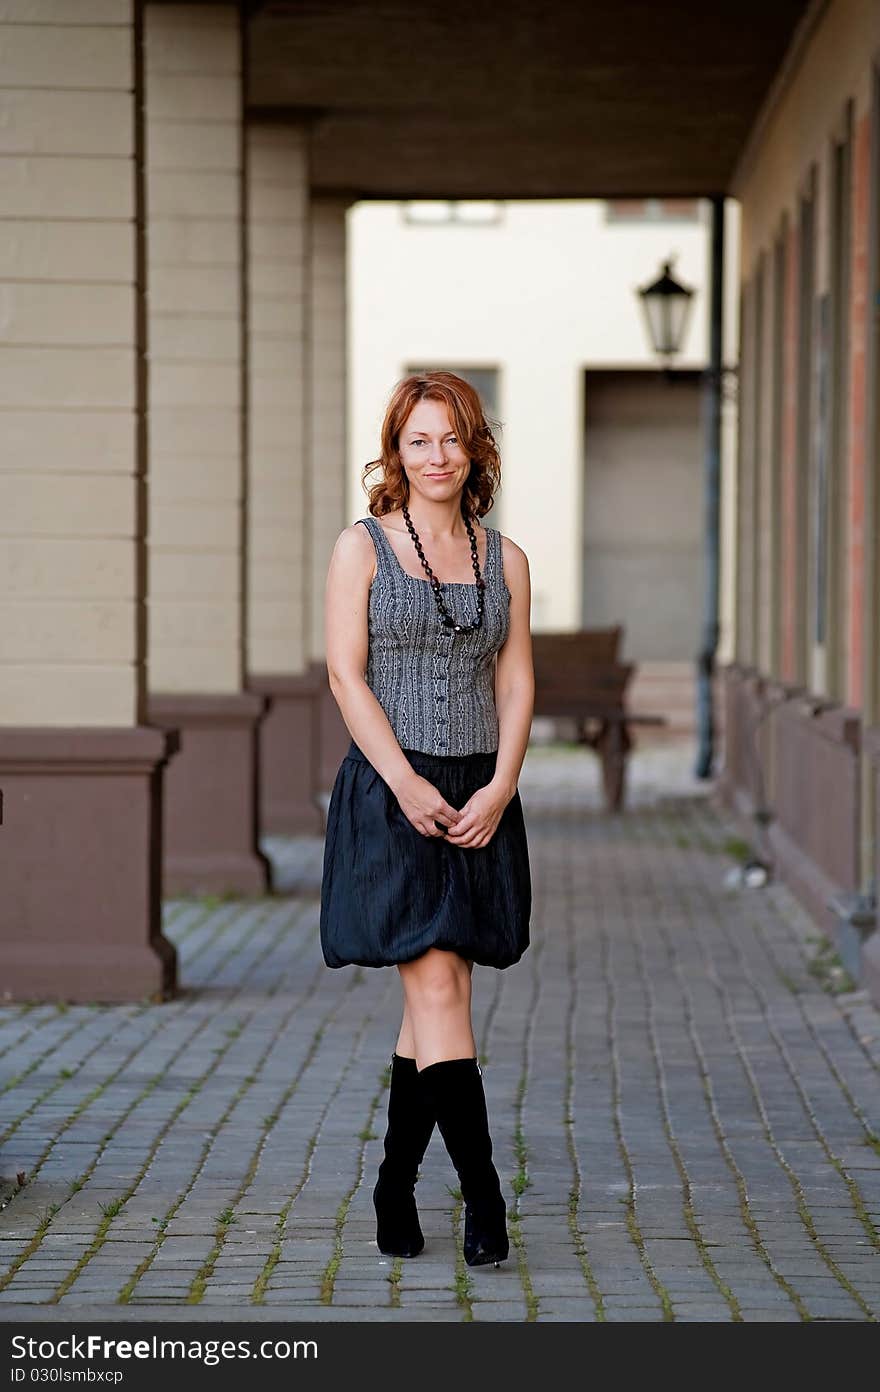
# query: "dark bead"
{"points": [[446, 618]]}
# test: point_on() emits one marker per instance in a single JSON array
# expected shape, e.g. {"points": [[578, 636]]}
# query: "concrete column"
{"points": [[278, 323], [80, 773], [327, 437], [195, 251]]}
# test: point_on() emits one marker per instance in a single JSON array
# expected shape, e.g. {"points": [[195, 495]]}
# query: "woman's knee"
{"points": [[437, 981]]}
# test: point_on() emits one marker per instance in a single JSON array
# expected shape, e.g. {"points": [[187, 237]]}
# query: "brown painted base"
{"points": [[742, 699], [796, 756], [210, 833], [871, 966], [288, 754], [80, 865], [871, 949], [812, 889]]}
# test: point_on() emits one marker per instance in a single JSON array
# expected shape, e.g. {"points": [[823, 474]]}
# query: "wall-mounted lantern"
{"points": [[666, 305]]}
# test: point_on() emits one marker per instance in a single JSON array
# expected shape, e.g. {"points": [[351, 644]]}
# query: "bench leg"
{"points": [[613, 744]]}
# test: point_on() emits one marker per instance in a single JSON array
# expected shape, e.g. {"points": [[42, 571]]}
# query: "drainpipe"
{"points": [[713, 378]]}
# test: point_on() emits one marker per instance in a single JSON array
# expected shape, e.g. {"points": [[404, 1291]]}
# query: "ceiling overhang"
{"points": [[565, 99]]}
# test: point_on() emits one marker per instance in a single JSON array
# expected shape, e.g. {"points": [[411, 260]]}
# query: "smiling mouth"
{"points": [[445, 474]]}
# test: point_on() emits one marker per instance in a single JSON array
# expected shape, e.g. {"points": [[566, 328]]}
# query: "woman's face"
{"points": [[434, 461]]}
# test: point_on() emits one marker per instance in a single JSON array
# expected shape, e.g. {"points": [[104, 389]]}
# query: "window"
{"points": [[806, 350], [652, 210], [775, 406], [453, 212], [484, 380], [832, 388], [759, 502]]}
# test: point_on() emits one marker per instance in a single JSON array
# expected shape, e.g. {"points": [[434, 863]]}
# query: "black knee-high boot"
{"points": [[455, 1091], [410, 1124]]}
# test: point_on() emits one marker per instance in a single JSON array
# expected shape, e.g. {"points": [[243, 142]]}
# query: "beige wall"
{"points": [[278, 279], [71, 643], [195, 248], [835, 64], [543, 295], [326, 483]]}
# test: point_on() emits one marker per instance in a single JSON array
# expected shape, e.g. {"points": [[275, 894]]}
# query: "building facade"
{"points": [[802, 692], [175, 465]]}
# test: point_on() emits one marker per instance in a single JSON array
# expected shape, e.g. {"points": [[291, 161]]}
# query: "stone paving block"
{"points": [[559, 1314], [500, 1310], [37, 1294], [708, 1315], [633, 1314], [558, 1283], [761, 1313]]}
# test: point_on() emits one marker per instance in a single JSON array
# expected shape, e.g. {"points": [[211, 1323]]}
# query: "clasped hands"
{"points": [[470, 826]]}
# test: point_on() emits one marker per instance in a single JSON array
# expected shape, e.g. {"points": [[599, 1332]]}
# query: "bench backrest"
{"points": [[579, 673], [574, 649]]}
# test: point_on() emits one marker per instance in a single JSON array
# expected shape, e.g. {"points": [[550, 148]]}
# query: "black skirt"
{"points": [[388, 893]]}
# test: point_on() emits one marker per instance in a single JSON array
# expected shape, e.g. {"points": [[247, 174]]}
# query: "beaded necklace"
{"points": [[448, 620]]}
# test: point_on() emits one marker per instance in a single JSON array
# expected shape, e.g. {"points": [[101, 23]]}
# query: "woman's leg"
{"points": [[410, 1123], [406, 1044], [437, 990], [454, 1090], [438, 1002]]}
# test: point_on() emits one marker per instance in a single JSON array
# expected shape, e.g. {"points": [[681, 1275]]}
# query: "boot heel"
{"points": [[485, 1233]]}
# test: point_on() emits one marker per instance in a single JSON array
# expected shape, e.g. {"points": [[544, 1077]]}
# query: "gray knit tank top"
{"points": [[437, 687]]}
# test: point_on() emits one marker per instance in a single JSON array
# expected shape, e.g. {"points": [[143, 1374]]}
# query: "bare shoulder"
{"points": [[354, 552], [354, 540], [515, 563]]}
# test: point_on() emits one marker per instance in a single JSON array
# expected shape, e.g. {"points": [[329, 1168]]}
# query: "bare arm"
{"points": [[346, 635], [514, 701], [514, 673]]}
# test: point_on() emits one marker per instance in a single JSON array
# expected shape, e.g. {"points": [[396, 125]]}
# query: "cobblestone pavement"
{"points": [[686, 1119]]}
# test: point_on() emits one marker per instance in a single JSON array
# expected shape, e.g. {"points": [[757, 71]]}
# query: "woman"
{"points": [[426, 863]]}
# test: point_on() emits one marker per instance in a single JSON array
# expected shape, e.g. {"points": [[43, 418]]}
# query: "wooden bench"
{"points": [[580, 675]]}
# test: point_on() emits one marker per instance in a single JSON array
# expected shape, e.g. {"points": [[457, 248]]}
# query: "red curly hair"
{"points": [[471, 426]]}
